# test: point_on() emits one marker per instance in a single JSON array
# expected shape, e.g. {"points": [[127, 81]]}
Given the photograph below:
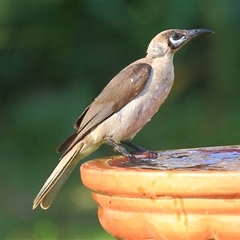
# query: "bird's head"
{"points": [[170, 41]]}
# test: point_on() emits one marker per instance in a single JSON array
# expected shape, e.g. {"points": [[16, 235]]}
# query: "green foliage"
{"points": [[56, 56]]}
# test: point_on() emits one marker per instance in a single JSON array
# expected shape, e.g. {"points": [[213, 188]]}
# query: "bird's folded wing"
{"points": [[120, 90]]}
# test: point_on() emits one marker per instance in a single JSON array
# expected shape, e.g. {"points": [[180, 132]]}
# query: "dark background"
{"points": [[55, 57]]}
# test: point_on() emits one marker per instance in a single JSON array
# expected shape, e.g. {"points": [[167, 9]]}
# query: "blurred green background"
{"points": [[56, 56]]}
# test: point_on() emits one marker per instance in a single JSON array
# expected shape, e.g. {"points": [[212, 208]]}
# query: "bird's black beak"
{"points": [[197, 32]]}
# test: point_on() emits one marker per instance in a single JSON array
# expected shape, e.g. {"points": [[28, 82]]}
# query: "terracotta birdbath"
{"points": [[183, 194]]}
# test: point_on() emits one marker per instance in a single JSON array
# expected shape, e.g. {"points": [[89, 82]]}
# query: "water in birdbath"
{"points": [[208, 158]]}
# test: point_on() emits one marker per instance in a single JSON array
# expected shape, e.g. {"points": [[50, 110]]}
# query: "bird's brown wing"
{"points": [[119, 91]]}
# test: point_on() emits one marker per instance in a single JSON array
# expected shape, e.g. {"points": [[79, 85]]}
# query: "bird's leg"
{"points": [[139, 149], [134, 146], [120, 149]]}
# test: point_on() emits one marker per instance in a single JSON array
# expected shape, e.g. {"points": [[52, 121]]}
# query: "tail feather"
{"points": [[55, 181]]}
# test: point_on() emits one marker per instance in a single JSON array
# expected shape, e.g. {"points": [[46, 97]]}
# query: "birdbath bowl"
{"points": [[182, 194]]}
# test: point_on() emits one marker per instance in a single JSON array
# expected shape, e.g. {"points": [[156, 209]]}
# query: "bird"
{"points": [[121, 110]]}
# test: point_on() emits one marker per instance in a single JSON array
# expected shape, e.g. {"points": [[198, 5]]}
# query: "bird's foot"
{"points": [[120, 149], [149, 154], [138, 154], [140, 151]]}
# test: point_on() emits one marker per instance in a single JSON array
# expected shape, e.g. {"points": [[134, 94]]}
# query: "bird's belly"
{"points": [[130, 119]]}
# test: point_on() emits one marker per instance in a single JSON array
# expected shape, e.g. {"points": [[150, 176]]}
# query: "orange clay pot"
{"points": [[183, 194]]}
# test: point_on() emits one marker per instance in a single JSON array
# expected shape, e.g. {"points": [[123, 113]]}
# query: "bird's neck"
{"points": [[156, 49], [163, 75]]}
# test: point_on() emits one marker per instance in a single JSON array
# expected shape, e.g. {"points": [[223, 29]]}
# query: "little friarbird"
{"points": [[123, 107]]}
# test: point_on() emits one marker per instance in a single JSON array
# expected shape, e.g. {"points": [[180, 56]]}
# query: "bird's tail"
{"points": [[55, 181]]}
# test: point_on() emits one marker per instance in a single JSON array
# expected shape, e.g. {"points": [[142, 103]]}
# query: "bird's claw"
{"points": [[148, 154]]}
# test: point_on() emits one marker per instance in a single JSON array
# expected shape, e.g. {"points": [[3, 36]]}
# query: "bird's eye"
{"points": [[176, 40], [178, 36], [175, 37]]}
